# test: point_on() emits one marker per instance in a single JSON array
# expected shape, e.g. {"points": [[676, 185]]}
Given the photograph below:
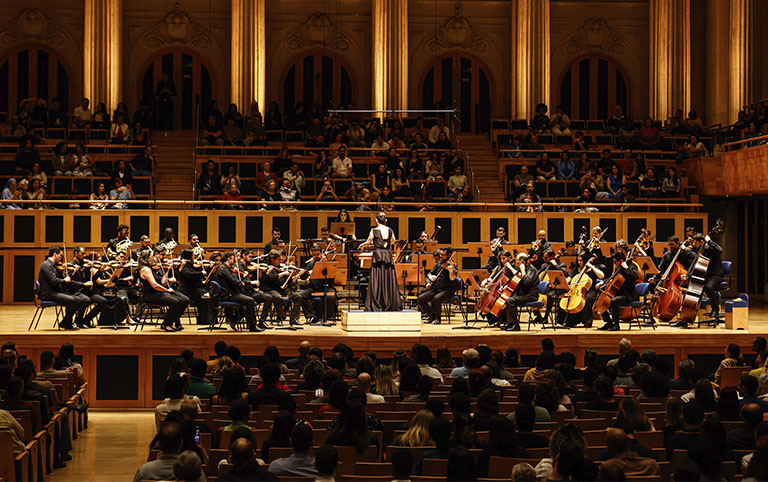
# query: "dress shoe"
{"points": [[255, 329], [179, 327], [616, 327], [84, 325], [515, 327], [313, 321], [679, 324], [606, 327], [68, 327], [263, 326], [436, 322], [168, 329]]}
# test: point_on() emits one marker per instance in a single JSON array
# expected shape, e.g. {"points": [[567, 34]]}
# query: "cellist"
{"points": [[527, 290], [596, 274], [686, 258], [626, 294], [712, 251], [504, 268]]}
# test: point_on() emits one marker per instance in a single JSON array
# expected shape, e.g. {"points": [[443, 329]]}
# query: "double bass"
{"points": [[573, 301], [697, 277]]}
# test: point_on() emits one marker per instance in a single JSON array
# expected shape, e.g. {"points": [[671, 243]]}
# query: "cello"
{"points": [[499, 291], [670, 295], [612, 285], [697, 277], [573, 301]]}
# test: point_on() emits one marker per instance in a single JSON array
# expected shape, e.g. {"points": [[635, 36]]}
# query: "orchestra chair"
{"points": [[640, 309], [148, 313], [724, 285], [534, 306], [41, 305], [221, 312], [456, 300]]}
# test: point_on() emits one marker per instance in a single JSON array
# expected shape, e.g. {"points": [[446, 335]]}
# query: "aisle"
{"points": [[113, 446]]}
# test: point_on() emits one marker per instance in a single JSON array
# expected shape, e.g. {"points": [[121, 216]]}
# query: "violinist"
{"points": [[271, 284], [592, 246], [440, 286], [595, 273], [711, 250], [497, 246], [686, 258], [117, 308], [231, 290], [191, 277], [59, 287], [626, 294], [82, 272], [304, 298], [527, 290], [275, 240], [154, 290], [538, 248]]}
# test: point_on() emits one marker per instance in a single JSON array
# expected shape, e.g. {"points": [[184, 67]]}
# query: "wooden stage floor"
{"points": [[14, 320]]}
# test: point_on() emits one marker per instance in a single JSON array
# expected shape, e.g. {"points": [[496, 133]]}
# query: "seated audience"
{"points": [[299, 463], [502, 443], [279, 436], [605, 401], [326, 461], [693, 416], [417, 434], [628, 461], [743, 438], [244, 464], [175, 388], [169, 439]]}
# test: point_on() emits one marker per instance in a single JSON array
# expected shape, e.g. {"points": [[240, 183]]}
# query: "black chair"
{"points": [[40, 307]]}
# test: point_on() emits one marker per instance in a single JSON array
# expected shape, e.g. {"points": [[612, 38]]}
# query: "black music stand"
{"points": [[470, 279], [343, 229], [325, 271], [425, 262], [110, 284], [557, 281], [648, 267], [407, 274]]}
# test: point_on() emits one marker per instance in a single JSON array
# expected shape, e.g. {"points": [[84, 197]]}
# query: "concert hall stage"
{"points": [[126, 368]]}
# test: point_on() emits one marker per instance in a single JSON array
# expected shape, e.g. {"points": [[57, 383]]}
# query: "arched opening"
{"points": [[592, 86], [459, 81], [318, 76], [191, 77], [33, 71]]}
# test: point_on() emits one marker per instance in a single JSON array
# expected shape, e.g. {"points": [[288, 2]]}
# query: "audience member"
{"points": [[326, 461], [244, 465], [628, 461]]}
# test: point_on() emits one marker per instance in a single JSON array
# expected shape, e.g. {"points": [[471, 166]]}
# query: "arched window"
{"points": [[317, 77], [191, 76], [591, 87], [33, 72], [463, 82]]}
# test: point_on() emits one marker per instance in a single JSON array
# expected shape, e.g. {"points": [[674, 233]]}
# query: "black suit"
{"points": [[191, 280], [305, 298], [54, 288], [624, 296], [83, 275], [527, 291], [712, 251], [230, 291]]}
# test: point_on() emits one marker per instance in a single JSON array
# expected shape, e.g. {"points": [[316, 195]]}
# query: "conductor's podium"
{"points": [[389, 323]]}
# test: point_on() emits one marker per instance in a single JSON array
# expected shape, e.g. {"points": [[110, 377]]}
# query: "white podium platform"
{"points": [[389, 323]]}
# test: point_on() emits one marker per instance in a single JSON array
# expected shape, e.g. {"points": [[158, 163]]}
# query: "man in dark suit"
{"points": [[626, 294], [59, 287], [439, 287], [693, 415], [231, 290], [527, 291], [269, 393]]}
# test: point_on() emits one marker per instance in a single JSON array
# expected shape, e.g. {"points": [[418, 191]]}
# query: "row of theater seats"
{"points": [[86, 136], [62, 186], [599, 141], [37, 460], [395, 415]]}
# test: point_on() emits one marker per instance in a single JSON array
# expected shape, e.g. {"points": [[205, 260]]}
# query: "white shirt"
{"points": [[342, 167], [434, 133], [373, 398], [169, 406], [82, 114], [433, 373]]}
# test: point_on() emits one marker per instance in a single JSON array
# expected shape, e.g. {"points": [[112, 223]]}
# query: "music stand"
{"points": [[407, 273], [343, 229], [467, 278], [115, 275], [605, 248], [647, 266], [325, 271], [430, 246], [425, 262], [557, 281], [481, 250], [556, 247], [568, 261]]}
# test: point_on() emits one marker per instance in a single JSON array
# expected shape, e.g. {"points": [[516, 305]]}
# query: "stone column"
{"points": [[102, 50], [717, 78], [670, 57], [248, 53], [742, 65], [390, 54], [530, 56]]}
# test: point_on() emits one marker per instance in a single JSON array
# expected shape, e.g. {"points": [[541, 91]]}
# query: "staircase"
{"points": [[174, 176], [485, 164]]}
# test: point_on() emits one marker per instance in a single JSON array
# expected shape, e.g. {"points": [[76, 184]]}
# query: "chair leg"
{"points": [[37, 311]]}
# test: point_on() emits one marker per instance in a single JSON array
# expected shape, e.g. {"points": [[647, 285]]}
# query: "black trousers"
{"points": [[206, 309], [246, 304], [72, 304], [710, 289], [175, 304], [274, 298], [511, 314], [617, 303], [100, 302], [318, 307], [430, 302], [302, 300], [585, 315]]}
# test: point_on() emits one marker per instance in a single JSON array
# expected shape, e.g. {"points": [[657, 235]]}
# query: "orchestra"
{"points": [[110, 285]]}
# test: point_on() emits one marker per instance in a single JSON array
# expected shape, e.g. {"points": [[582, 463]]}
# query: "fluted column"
{"points": [[390, 54], [248, 53], [670, 57], [530, 56], [717, 78], [742, 67], [102, 49]]}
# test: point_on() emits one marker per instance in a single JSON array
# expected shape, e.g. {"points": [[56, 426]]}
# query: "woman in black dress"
{"points": [[382, 288]]}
